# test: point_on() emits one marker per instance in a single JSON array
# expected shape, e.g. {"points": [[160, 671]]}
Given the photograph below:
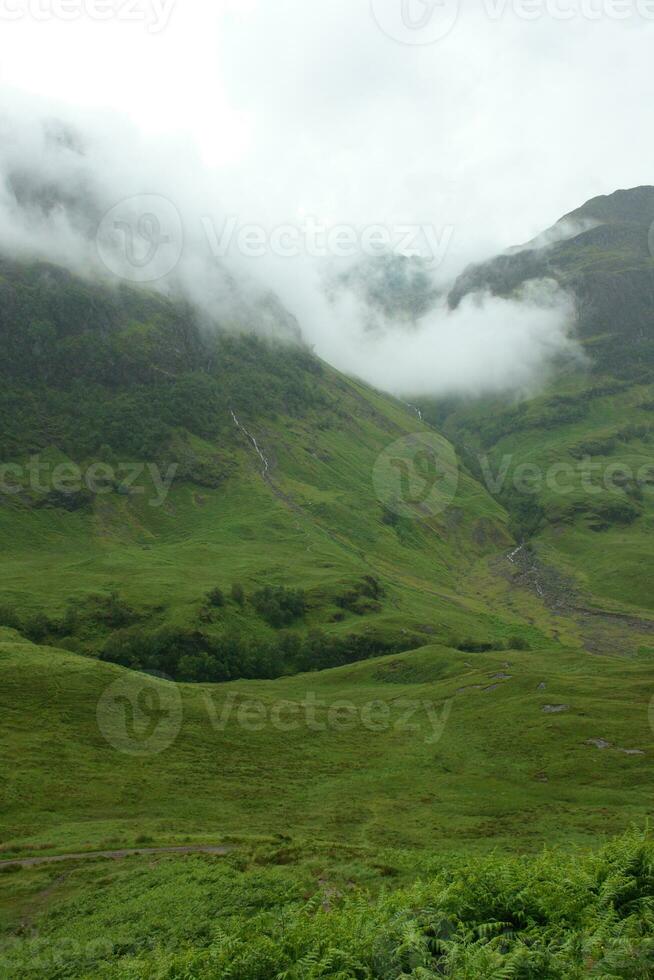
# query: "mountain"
{"points": [[217, 461], [602, 253], [389, 289], [587, 515], [254, 606]]}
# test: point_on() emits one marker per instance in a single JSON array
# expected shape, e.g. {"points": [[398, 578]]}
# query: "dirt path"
{"points": [[116, 855]]}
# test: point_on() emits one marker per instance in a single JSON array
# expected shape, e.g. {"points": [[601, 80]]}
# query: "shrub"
{"points": [[546, 916], [279, 606], [475, 646], [363, 597], [192, 656], [238, 594], [526, 513], [37, 628], [517, 643], [614, 512], [9, 618], [216, 597], [110, 611]]}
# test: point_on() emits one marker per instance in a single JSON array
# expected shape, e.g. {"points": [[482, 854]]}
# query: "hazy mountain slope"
{"points": [[574, 464], [604, 257], [285, 496]]}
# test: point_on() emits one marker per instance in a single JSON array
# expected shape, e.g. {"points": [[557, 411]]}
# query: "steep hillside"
{"points": [[574, 463], [602, 253], [169, 487]]}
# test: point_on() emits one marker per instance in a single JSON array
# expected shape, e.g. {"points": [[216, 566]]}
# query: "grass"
{"points": [[400, 765], [429, 753], [274, 912]]}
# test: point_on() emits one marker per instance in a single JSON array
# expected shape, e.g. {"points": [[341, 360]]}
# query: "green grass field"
{"points": [[362, 777], [427, 752]]}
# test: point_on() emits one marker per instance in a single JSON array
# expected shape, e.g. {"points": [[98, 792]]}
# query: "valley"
{"points": [[324, 645]]}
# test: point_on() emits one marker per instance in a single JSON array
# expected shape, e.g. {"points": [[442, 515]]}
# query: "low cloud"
{"points": [[487, 345], [563, 231], [93, 194]]}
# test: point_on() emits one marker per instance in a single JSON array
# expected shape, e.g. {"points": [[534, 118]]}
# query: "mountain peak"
{"points": [[634, 205]]}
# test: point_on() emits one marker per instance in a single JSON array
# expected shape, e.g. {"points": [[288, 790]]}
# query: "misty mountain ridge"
{"points": [[393, 290], [53, 198], [607, 266], [383, 317]]}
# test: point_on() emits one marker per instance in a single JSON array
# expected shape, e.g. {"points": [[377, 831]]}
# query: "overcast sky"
{"points": [[471, 117]]}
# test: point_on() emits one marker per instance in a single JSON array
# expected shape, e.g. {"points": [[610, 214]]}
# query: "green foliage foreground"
{"points": [[495, 917]]}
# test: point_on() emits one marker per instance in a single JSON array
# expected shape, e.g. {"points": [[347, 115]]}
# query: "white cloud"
{"points": [[274, 111]]}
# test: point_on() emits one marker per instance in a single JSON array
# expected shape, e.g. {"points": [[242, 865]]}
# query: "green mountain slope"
{"points": [[217, 461], [574, 464]]}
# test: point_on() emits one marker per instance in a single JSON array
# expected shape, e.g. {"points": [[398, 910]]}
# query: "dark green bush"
{"points": [[279, 606], [363, 597], [191, 655], [238, 594], [216, 597], [476, 646], [517, 643]]}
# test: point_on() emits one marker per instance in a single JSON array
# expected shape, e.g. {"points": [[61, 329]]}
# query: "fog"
{"points": [[67, 179], [231, 152]]}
